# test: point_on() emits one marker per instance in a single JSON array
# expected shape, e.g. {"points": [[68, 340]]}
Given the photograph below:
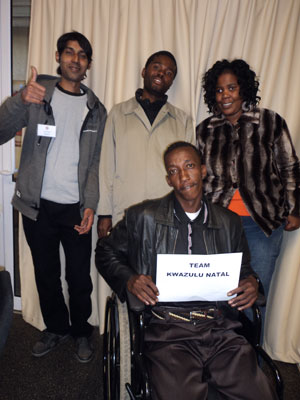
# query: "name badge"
{"points": [[46, 130]]}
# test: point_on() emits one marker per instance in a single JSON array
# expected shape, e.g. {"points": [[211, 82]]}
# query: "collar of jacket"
{"points": [[159, 103], [165, 212], [49, 82], [251, 116], [132, 106]]}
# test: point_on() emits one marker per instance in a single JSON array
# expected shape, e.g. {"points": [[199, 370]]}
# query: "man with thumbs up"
{"points": [[57, 187]]}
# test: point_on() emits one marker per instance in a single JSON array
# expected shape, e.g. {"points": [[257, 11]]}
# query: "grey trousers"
{"points": [[182, 358]]}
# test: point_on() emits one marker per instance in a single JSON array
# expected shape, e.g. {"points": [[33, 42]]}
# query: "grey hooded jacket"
{"points": [[14, 115]]}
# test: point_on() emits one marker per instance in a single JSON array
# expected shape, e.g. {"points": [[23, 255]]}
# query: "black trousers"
{"points": [[55, 225], [182, 358]]}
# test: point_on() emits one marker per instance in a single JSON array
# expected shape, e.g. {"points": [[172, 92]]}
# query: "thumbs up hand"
{"points": [[34, 74], [33, 92]]}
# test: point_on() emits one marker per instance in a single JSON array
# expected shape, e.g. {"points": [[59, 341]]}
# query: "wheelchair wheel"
{"points": [[116, 350]]}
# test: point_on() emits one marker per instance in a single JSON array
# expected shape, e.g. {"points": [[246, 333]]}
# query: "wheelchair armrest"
{"points": [[251, 328], [261, 299], [134, 303]]}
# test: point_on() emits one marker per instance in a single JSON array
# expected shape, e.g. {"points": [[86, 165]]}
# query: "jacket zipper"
{"points": [[81, 130], [176, 235], [38, 144]]}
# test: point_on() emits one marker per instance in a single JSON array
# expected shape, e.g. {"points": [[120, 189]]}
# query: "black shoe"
{"points": [[47, 342], [84, 351]]}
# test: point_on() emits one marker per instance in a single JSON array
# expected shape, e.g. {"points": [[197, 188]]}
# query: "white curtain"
{"points": [[123, 33]]}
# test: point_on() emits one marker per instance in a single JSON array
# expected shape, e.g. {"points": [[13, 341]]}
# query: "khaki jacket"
{"points": [[131, 166]]}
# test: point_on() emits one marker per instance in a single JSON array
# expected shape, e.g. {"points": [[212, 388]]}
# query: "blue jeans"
{"points": [[264, 252]]}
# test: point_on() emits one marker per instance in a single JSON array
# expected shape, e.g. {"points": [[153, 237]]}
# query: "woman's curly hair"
{"points": [[245, 76]]}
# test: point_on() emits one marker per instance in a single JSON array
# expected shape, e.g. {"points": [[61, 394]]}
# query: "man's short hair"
{"points": [[78, 37], [178, 145], [161, 53]]}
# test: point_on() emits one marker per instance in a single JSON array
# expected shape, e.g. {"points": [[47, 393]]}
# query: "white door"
{"points": [[7, 151]]}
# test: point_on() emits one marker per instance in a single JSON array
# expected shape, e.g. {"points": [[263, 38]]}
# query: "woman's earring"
{"points": [[246, 107], [216, 110]]}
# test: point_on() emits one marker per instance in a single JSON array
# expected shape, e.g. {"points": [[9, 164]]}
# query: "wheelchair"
{"points": [[125, 374]]}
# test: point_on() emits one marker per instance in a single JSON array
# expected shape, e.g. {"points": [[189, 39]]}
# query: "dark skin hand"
{"points": [[143, 287], [246, 292], [292, 223], [104, 226], [145, 290]]}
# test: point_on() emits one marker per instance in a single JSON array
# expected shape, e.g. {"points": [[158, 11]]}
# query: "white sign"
{"points": [[197, 277]]}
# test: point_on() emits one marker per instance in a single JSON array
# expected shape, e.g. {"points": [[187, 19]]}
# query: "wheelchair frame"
{"points": [[124, 368]]}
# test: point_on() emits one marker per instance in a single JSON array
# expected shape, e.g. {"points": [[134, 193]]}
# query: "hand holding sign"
{"points": [[143, 288], [33, 92], [246, 292]]}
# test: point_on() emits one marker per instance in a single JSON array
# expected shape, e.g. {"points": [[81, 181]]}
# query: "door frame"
{"points": [[7, 152]]}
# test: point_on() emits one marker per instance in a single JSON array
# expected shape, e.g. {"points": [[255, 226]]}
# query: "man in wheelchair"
{"points": [[187, 344]]}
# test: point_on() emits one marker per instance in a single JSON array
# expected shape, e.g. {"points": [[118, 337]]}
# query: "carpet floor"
{"points": [[59, 376]]}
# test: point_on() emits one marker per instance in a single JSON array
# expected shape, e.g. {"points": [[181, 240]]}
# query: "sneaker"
{"points": [[84, 351], [47, 342]]}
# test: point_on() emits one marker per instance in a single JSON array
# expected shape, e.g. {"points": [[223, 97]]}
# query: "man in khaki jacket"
{"points": [[136, 133]]}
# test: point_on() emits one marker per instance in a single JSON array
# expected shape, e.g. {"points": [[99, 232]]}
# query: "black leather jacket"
{"points": [[148, 229]]}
